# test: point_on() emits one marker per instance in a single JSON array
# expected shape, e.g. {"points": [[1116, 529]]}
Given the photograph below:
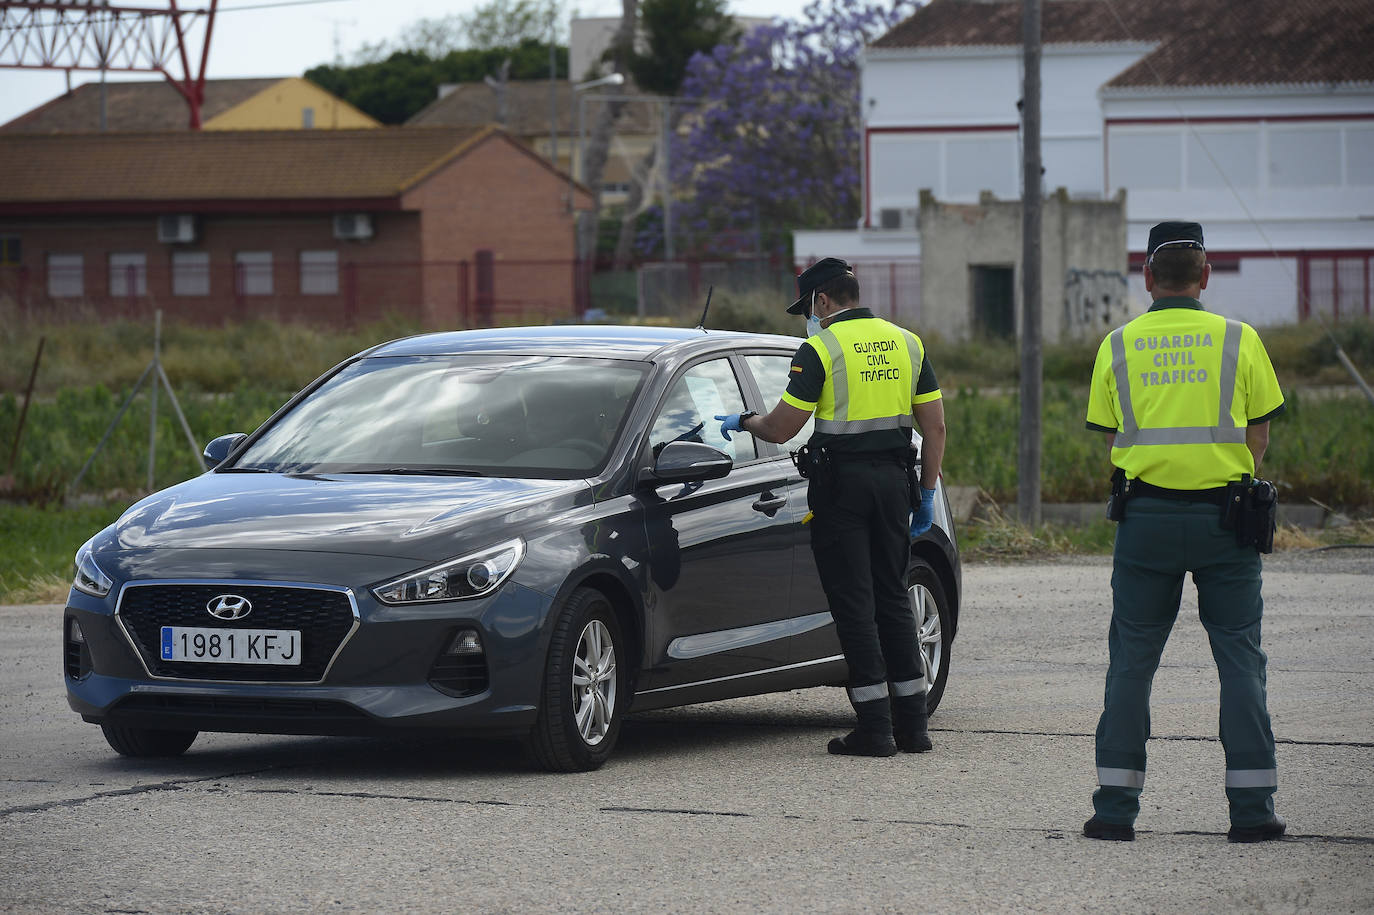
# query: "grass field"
{"points": [[231, 379]]}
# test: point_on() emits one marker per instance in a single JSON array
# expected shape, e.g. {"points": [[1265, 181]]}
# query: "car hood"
{"points": [[410, 517]]}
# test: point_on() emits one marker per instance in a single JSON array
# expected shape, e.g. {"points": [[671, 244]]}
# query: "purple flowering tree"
{"points": [[770, 130]]}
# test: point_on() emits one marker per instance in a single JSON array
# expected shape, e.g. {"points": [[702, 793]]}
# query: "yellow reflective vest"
{"points": [[872, 369], [1179, 386]]}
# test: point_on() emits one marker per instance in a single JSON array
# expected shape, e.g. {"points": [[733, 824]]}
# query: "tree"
{"points": [[395, 88], [775, 139], [674, 31]]}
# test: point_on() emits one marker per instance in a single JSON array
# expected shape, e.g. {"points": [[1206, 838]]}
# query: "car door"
{"points": [[813, 628], [720, 552]]}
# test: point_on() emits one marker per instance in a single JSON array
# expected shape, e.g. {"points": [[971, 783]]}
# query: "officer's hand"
{"points": [[923, 517], [729, 423]]}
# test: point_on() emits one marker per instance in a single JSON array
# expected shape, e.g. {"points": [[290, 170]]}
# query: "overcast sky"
{"points": [[288, 40]]}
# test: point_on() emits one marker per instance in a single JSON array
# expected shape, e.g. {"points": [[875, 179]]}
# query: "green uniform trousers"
{"points": [[1157, 543]]}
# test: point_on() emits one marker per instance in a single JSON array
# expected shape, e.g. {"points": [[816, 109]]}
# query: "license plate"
{"points": [[231, 646]]}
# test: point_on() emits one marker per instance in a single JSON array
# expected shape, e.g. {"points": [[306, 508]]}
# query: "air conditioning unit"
{"points": [[352, 225], [897, 217], [180, 227]]}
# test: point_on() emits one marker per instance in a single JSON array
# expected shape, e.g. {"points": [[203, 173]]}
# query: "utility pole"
{"points": [[1028, 448]]}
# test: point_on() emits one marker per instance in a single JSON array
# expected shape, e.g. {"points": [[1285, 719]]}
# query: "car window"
{"points": [[520, 416], [689, 412], [771, 374]]}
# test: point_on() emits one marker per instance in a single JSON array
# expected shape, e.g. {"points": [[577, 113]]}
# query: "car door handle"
{"points": [[769, 504]]}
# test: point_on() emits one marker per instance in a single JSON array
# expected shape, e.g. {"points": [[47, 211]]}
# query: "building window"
{"points": [[1304, 157], [1145, 160], [65, 276], [307, 118], [319, 273], [1339, 287], [190, 273], [253, 272], [11, 252], [129, 273]]}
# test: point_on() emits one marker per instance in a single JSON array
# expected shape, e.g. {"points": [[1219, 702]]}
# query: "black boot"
{"points": [[910, 723], [873, 736]]}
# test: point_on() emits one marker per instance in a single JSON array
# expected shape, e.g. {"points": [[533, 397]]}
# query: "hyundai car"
{"points": [[523, 532]]}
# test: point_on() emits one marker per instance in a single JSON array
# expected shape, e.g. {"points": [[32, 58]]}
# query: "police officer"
{"points": [[1185, 398], [864, 378]]}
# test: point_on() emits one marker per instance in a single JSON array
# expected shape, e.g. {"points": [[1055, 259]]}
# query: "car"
{"points": [[524, 532]]}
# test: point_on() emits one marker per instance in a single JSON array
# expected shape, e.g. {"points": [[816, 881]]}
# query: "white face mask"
{"points": [[813, 323]]}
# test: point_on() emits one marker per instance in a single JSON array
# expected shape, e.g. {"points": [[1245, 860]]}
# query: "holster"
{"points": [[1251, 510], [814, 464], [913, 479], [1116, 502]]}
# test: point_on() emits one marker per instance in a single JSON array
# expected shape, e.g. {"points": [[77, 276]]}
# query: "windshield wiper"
{"points": [[420, 471], [248, 469]]}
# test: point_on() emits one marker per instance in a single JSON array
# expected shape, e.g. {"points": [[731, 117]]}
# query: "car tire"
{"points": [[131, 741], [934, 625], [584, 694]]}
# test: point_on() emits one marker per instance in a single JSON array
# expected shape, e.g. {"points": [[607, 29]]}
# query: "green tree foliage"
{"points": [[673, 31], [394, 89]]}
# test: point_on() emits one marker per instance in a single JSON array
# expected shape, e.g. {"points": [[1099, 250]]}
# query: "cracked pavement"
{"points": [[736, 805]]}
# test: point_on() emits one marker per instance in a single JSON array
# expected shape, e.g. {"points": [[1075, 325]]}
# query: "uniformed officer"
{"points": [[1185, 398], [864, 378]]}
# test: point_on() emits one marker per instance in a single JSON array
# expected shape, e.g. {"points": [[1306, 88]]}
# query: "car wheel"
{"points": [[934, 628], [584, 693], [130, 741]]}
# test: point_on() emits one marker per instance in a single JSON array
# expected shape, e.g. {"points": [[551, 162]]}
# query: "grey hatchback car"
{"points": [[525, 532]]}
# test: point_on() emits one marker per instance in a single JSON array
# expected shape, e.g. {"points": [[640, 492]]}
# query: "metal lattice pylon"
{"points": [[97, 36]]}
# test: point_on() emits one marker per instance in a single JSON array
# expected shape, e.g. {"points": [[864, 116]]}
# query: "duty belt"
{"points": [[1138, 487]]}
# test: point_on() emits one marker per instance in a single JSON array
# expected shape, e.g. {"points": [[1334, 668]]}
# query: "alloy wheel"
{"points": [[928, 631], [594, 682]]}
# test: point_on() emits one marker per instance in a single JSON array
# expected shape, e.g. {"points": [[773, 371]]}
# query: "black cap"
{"points": [[813, 278], [1175, 235]]}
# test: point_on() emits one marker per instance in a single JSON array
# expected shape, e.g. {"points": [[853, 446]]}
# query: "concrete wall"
{"points": [[1083, 257]]}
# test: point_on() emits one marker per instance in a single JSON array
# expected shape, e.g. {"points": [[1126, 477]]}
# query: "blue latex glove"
{"points": [[922, 518], [729, 423]]}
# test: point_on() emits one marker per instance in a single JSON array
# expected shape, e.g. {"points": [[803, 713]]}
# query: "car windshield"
{"points": [[511, 416]]}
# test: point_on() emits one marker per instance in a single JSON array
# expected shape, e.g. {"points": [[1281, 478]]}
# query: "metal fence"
{"points": [[480, 293]]}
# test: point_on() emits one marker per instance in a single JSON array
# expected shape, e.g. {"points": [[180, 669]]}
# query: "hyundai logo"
{"points": [[229, 607]]}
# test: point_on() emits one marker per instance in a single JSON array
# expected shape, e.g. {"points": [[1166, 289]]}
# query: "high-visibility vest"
{"points": [[872, 367], [1180, 385]]}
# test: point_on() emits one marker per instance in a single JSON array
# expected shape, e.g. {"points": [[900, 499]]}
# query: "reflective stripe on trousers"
{"points": [[910, 687], [1120, 778], [872, 693], [1225, 432], [1252, 778]]}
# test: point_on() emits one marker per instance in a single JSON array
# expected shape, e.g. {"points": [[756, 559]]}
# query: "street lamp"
{"points": [[577, 165]]}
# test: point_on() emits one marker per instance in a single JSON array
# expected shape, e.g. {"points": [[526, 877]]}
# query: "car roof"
{"points": [[599, 340]]}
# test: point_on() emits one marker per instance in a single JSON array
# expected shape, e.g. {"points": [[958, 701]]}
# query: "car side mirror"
{"points": [[687, 462], [219, 449]]}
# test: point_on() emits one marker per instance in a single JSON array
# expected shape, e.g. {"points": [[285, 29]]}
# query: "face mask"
{"points": [[813, 323]]}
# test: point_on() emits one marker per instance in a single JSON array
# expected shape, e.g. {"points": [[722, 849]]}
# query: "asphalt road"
{"points": [[736, 806]]}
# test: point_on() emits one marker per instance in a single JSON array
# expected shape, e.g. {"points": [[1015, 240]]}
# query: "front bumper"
{"points": [[381, 680]]}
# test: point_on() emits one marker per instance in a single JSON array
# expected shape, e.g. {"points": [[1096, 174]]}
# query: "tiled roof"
{"points": [[1198, 42], [225, 165], [527, 108], [133, 106]]}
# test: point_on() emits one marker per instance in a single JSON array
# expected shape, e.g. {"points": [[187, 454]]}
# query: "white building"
{"points": [[1253, 117]]}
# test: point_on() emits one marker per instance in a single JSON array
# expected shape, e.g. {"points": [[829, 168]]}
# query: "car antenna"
{"points": [[701, 325]]}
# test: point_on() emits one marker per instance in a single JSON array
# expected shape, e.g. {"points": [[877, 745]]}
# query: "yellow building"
{"points": [[275, 103]]}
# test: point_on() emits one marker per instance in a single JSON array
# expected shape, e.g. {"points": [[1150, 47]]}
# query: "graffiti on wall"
{"points": [[1094, 301]]}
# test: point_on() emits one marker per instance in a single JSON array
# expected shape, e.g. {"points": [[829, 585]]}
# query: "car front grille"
{"points": [[323, 616], [459, 675]]}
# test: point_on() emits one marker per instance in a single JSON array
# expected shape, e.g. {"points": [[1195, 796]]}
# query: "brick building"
{"points": [[451, 226]]}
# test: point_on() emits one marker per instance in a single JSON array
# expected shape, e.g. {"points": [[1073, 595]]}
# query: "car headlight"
{"points": [[474, 575], [89, 577]]}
